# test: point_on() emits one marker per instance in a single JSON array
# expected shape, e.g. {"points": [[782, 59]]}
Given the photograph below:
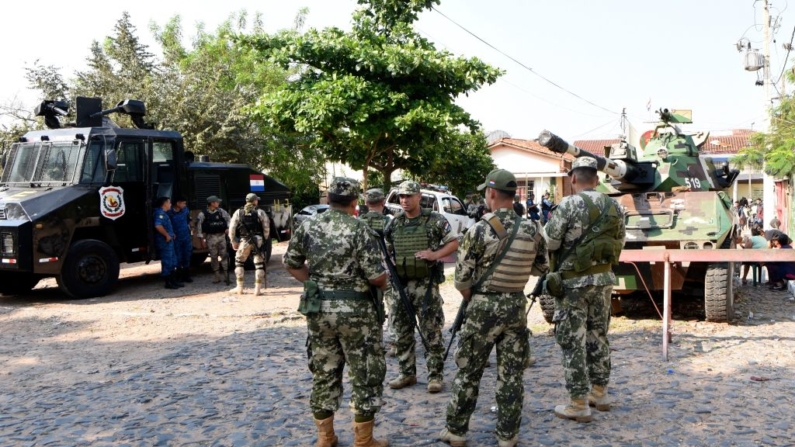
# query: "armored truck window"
{"points": [[128, 156], [93, 172]]}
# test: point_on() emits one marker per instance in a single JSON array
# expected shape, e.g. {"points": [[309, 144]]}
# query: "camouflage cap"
{"points": [[250, 197], [499, 179], [212, 199], [409, 188], [374, 195], [344, 186], [584, 162]]}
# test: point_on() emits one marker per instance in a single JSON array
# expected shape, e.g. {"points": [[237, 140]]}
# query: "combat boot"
{"points": [[226, 278], [186, 275], [169, 284], [453, 440], [434, 386], [509, 443], [576, 410], [325, 432], [363, 435], [216, 277], [239, 289], [598, 398], [257, 287], [174, 281], [402, 382]]}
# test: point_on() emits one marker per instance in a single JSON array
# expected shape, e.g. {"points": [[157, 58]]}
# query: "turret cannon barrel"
{"points": [[618, 169]]}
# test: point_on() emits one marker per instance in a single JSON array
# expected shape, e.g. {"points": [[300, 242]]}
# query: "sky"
{"points": [[613, 54]]}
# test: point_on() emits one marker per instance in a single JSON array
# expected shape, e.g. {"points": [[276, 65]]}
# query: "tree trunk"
{"points": [[387, 173]]}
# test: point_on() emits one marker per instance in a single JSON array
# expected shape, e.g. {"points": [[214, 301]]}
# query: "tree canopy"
{"points": [[773, 150], [379, 96], [203, 91]]}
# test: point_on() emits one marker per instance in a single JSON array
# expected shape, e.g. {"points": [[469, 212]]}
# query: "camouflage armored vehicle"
{"points": [[673, 198], [77, 200]]}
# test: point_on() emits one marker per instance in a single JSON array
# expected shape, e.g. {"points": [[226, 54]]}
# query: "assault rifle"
{"points": [[459, 321], [537, 291], [395, 280]]}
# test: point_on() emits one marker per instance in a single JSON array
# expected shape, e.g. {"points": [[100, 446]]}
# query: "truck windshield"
{"points": [[43, 163]]}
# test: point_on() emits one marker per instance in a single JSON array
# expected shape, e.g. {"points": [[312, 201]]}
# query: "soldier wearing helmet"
{"points": [[248, 231], [212, 227]]}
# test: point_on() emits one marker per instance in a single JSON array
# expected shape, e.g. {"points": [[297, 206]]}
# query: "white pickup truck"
{"points": [[445, 204]]}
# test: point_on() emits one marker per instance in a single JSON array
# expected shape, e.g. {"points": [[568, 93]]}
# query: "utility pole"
{"points": [[768, 185]]}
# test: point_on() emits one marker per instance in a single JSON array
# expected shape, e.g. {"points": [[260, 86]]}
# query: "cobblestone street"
{"points": [[153, 367]]}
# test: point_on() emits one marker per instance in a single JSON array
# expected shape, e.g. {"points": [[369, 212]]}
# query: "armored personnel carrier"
{"points": [[77, 200], [673, 198]]}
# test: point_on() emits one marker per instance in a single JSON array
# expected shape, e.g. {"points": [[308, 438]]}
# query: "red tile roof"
{"points": [[529, 146], [715, 144]]}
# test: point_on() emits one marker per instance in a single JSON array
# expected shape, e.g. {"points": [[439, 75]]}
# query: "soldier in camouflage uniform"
{"points": [[248, 230], [582, 312], [377, 220], [212, 226], [493, 285], [417, 239], [335, 255]]}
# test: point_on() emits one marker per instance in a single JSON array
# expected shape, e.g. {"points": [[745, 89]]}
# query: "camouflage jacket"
{"points": [[438, 228], [565, 226], [339, 250], [372, 216], [481, 246]]}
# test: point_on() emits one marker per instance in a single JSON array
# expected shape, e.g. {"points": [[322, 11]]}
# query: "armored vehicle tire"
{"points": [[90, 269], [197, 259], [17, 283], [718, 293], [547, 303]]}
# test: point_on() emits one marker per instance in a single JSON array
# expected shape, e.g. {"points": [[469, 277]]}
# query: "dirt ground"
{"points": [[50, 342]]}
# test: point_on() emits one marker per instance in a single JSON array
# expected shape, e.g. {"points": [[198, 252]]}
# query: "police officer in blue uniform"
{"points": [[183, 244], [164, 242]]}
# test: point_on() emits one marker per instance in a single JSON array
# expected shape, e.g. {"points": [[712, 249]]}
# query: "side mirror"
{"points": [[110, 160]]}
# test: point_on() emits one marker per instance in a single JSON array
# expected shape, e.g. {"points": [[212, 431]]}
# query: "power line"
{"points": [[503, 80], [523, 65], [786, 58]]}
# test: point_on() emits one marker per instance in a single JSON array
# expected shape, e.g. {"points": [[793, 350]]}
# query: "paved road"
{"points": [[251, 388]]}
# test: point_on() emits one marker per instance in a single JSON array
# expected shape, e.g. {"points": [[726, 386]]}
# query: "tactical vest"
{"points": [[408, 240], [601, 245], [249, 223], [513, 272], [374, 220], [213, 223]]}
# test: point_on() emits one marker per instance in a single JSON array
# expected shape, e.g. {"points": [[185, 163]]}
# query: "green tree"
{"points": [[468, 168], [773, 150], [379, 96]]}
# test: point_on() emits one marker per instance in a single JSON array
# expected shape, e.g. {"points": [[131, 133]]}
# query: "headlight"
{"points": [[14, 211], [8, 244]]}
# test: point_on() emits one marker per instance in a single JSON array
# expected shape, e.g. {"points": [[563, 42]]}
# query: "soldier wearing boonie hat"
{"points": [[212, 226], [337, 259], [248, 231]]}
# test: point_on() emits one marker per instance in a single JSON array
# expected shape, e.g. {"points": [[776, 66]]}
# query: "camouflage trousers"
{"points": [[389, 295], [582, 318], [244, 250], [431, 320], [491, 319], [346, 331], [216, 245]]}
